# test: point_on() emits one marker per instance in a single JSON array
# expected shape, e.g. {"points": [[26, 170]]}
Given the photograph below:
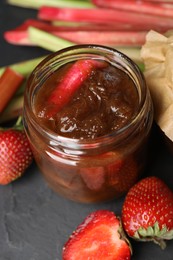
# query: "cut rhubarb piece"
{"points": [[57, 26], [104, 15], [125, 176], [136, 6], [10, 81], [93, 177], [24, 67], [47, 40], [107, 38], [72, 80], [100, 236], [114, 35]]}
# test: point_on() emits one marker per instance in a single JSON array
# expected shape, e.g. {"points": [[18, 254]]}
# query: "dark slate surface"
{"points": [[34, 221]]}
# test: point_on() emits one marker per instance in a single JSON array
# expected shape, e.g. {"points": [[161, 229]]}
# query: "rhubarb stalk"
{"points": [[81, 33], [47, 40], [103, 15], [51, 43], [35, 4], [24, 68], [10, 81], [136, 6], [109, 38]]}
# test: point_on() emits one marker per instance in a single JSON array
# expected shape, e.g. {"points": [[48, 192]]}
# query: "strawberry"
{"points": [[147, 212], [15, 153], [100, 236]]}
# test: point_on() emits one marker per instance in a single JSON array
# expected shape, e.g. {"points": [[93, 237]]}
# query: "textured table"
{"points": [[34, 221]]}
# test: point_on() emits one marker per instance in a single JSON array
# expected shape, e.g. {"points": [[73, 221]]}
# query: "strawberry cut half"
{"points": [[100, 236]]}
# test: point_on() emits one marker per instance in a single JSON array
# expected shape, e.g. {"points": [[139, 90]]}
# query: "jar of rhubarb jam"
{"points": [[88, 115]]}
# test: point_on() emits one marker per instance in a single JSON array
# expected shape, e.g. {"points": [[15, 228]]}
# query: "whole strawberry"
{"points": [[15, 153], [99, 237], [147, 212]]}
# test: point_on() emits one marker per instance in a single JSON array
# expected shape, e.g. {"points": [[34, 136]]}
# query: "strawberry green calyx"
{"points": [[154, 234], [99, 236], [147, 213], [19, 124], [123, 236]]}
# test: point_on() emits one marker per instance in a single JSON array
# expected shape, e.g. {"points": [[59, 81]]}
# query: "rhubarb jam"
{"points": [[105, 102], [88, 115]]}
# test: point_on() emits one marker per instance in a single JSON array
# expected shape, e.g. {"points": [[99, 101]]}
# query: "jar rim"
{"points": [[105, 139]]}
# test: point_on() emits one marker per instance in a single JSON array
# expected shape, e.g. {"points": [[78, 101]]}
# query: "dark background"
{"points": [[34, 221]]}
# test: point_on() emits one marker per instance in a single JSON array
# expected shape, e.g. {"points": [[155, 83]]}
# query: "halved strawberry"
{"points": [[147, 213], [100, 236]]}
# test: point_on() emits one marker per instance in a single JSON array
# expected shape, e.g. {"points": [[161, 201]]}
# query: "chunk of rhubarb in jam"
{"points": [[70, 83]]}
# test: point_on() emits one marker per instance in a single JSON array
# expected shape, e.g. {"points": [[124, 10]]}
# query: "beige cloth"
{"points": [[157, 55]]}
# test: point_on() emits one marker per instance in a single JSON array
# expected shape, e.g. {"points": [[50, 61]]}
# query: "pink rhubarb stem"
{"points": [[136, 6], [104, 15], [70, 83], [115, 38], [118, 34], [110, 38], [158, 1], [10, 81], [80, 26]]}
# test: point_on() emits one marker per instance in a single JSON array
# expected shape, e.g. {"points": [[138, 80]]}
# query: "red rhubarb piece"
{"points": [[100, 236], [106, 15], [70, 83], [93, 177], [10, 81], [136, 6], [123, 174]]}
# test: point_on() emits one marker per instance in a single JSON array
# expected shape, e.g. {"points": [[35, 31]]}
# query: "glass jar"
{"points": [[98, 169]]}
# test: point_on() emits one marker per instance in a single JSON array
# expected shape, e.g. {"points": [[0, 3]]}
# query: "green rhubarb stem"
{"points": [[36, 4], [47, 40], [24, 67], [53, 43]]}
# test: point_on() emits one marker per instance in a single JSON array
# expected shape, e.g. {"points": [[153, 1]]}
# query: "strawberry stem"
{"points": [[19, 124]]}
